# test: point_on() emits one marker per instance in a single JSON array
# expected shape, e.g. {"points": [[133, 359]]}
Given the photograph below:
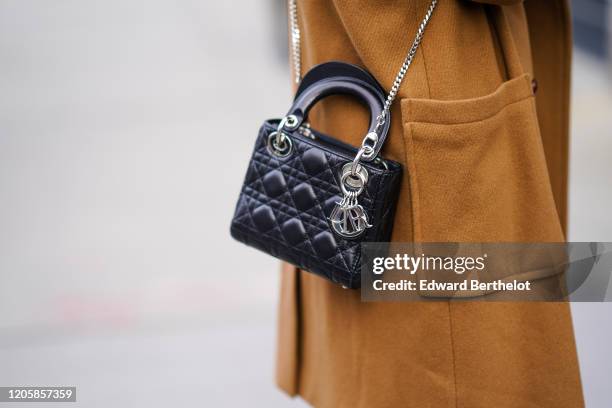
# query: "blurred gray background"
{"points": [[119, 126]]}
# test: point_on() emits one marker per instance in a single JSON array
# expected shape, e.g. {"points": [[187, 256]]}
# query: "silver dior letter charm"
{"points": [[348, 218]]}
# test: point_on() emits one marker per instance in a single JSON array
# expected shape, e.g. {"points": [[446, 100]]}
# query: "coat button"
{"points": [[534, 86]]}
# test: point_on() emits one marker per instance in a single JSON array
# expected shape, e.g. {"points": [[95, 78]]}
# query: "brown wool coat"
{"points": [[484, 160]]}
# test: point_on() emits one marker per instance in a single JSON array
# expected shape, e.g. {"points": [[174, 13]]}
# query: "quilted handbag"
{"points": [[310, 199]]}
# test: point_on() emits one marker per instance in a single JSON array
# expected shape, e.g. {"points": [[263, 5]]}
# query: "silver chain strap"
{"points": [[295, 40], [407, 61], [369, 142]]}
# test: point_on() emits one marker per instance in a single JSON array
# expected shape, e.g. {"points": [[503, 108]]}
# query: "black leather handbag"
{"points": [[310, 199]]}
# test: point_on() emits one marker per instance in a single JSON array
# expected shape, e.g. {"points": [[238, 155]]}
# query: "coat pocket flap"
{"points": [[467, 110]]}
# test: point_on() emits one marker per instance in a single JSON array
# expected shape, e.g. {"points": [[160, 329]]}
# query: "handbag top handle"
{"points": [[334, 78]]}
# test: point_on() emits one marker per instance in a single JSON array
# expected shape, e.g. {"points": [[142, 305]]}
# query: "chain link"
{"points": [[295, 40], [407, 61]]}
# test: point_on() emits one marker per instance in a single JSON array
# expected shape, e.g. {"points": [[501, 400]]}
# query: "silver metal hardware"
{"points": [[282, 148], [348, 218], [368, 145], [406, 64], [357, 185], [354, 181], [295, 40], [355, 162], [305, 130], [279, 143], [290, 122], [378, 160], [370, 140]]}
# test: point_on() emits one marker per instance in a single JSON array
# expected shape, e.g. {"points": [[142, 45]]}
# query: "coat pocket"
{"points": [[477, 168]]}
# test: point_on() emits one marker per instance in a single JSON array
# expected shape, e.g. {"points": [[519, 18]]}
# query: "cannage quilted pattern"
{"points": [[285, 204]]}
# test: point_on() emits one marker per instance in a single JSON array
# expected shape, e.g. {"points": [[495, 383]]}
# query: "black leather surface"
{"points": [[285, 204]]}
